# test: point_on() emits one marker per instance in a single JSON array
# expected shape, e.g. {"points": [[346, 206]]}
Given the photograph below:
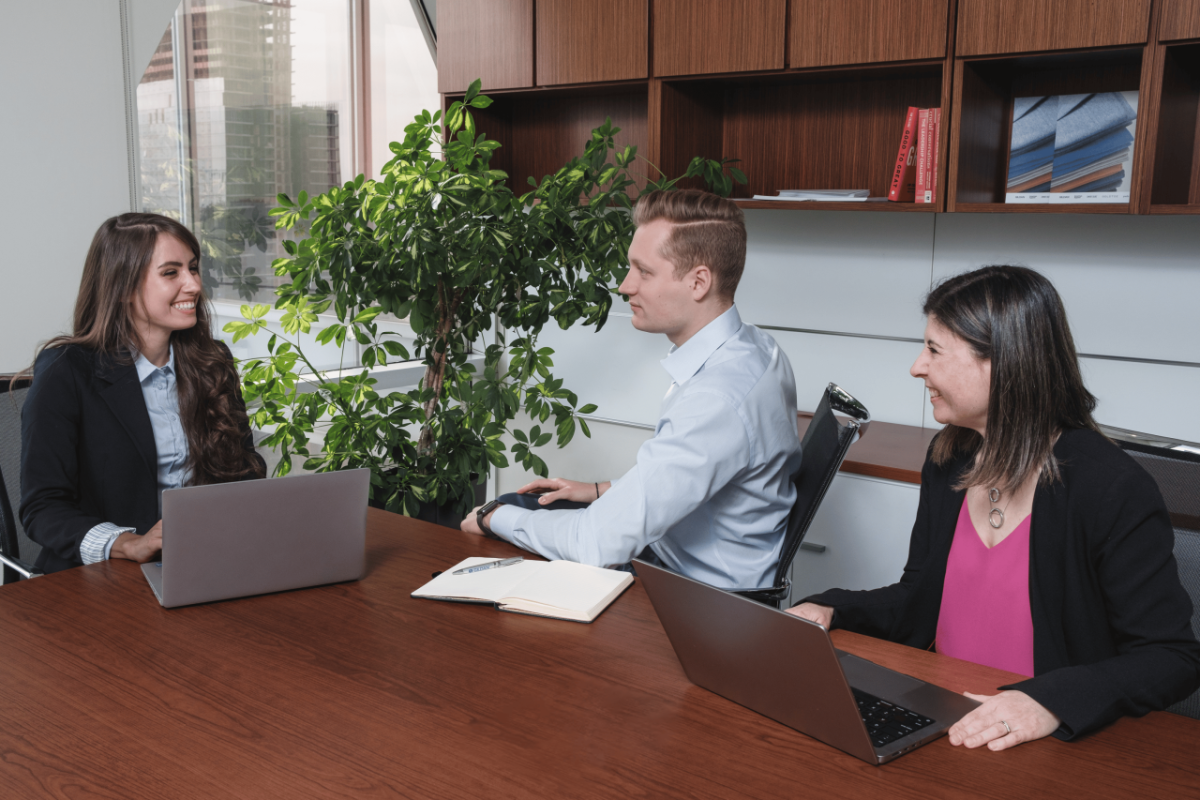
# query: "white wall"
{"points": [[65, 167]]}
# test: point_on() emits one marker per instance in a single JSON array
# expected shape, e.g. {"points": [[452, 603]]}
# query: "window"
{"points": [[247, 99]]}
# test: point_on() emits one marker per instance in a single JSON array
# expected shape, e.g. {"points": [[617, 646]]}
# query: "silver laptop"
{"points": [[787, 668], [253, 537]]}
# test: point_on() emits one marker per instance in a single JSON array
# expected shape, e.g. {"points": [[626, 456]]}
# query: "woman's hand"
{"points": [[552, 489], [1026, 719], [137, 548], [822, 615]]}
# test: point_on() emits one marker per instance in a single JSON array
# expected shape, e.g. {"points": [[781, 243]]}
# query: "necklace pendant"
{"points": [[996, 518], [994, 495]]}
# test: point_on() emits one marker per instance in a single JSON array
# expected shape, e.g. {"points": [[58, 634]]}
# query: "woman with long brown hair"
{"points": [[138, 399], [1039, 547]]}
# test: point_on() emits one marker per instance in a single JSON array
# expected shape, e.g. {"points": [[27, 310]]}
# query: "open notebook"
{"points": [[558, 589]]}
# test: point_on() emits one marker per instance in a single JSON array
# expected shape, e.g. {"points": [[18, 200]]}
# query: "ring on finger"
{"points": [[1007, 730]]}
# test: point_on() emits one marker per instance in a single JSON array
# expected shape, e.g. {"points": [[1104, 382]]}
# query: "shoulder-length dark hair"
{"points": [[210, 409], [1014, 317]]}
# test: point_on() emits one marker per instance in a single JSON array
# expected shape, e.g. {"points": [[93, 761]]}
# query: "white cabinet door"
{"points": [[864, 524]]}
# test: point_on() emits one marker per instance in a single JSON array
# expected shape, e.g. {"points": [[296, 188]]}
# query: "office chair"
{"points": [[1177, 473], [17, 551], [823, 450]]}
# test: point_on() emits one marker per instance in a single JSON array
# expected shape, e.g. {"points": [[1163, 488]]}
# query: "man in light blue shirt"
{"points": [[711, 492]]}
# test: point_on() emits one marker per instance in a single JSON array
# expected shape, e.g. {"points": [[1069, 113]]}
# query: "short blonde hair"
{"points": [[705, 229]]}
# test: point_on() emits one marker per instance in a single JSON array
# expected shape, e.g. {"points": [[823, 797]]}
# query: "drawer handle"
{"points": [[812, 548]]}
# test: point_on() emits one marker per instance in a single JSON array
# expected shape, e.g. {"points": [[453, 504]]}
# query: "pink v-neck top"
{"points": [[985, 600]]}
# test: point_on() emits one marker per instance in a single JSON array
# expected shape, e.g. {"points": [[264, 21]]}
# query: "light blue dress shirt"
{"points": [[711, 492], [161, 393]]}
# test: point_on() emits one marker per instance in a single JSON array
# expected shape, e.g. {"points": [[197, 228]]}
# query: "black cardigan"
{"points": [[1111, 623], [87, 453]]}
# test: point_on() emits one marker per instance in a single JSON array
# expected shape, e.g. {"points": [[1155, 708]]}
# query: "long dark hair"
{"points": [[1014, 317], [210, 410]]}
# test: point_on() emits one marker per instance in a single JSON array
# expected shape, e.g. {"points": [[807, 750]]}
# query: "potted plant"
{"points": [[445, 243]]}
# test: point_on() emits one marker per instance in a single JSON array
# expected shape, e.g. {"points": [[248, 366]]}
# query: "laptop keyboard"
{"points": [[886, 722]]}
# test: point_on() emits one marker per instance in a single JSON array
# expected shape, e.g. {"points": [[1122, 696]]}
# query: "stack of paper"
{"points": [[819, 195], [1073, 148], [1031, 158], [1092, 144]]}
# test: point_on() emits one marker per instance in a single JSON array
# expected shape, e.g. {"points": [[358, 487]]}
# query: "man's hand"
{"points": [[822, 615], [552, 489], [470, 523], [1004, 720], [137, 548]]}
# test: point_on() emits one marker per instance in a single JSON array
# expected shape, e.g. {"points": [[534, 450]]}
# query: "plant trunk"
{"points": [[435, 372]]}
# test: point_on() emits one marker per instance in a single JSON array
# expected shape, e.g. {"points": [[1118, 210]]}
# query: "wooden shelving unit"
{"points": [[812, 93]]}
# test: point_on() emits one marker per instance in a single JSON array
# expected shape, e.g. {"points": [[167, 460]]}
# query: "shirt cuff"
{"points": [[97, 543], [504, 520]]}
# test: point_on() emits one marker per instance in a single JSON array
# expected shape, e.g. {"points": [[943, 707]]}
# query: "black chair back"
{"points": [[1177, 473], [823, 450], [17, 551]]}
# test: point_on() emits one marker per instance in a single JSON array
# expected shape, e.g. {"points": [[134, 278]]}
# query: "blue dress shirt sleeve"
{"points": [[700, 446], [97, 543]]}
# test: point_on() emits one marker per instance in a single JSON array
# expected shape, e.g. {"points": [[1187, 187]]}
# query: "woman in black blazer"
{"points": [[1039, 547], [99, 443]]}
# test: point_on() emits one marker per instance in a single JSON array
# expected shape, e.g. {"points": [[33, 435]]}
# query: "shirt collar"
{"points": [[145, 369], [685, 361]]}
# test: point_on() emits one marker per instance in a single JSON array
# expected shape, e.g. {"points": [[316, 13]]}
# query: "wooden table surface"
{"points": [[357, 690]]}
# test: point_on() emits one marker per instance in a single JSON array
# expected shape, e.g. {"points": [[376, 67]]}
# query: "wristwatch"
{"points": [[482, 513]]}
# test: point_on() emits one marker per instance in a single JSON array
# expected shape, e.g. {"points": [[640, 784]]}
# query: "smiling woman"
{"points": [[1039, 547], [139, 398]]}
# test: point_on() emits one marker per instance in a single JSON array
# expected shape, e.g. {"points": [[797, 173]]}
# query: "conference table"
{"points": [[358, 690]]}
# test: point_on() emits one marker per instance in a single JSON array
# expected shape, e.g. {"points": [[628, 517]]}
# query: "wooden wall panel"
{"points": [[584, 41], [1178, 19], [987, 27], [704, 37], [488, 39], [830, 32]]}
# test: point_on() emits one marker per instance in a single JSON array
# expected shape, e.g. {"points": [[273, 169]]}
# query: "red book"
{"points": [[904, 175], [922, 195], [935, 136]]}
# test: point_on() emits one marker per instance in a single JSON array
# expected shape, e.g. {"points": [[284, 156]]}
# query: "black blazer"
{"points": [[87, 453], [1112, 631]]}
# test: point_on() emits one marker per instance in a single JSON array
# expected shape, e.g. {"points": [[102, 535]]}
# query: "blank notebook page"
{"points": [[565, 584]]}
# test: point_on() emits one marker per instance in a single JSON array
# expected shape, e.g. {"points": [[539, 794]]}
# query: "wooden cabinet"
{"points": [[584, 41], [487, 39], [706, 37], [813, 93], [1179, 19], [990, 27], [827, 33]]}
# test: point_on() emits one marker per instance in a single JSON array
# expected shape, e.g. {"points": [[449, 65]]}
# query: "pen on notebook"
{"points": [[507, 562]]}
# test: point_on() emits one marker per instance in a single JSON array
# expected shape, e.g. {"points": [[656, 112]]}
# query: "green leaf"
{"points": [[368, 314], [590, 408]]}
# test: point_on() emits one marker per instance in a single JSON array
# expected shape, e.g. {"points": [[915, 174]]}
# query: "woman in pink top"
{"points": [[1039, 546]]}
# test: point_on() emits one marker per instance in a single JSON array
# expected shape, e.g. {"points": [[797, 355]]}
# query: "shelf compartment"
{"points": [[983, 100], [1176, 186], [541, 130], [833, 129]]}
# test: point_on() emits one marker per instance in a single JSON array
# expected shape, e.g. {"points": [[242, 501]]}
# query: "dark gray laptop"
{"points": [[253, 537], [787, 668]]}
